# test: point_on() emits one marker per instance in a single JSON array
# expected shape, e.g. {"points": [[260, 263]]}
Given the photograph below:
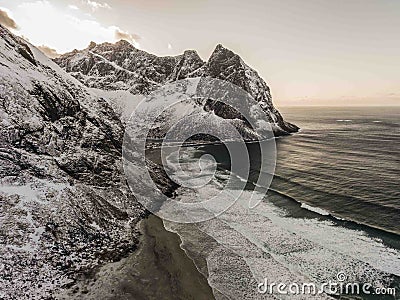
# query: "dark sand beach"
{"points": [[159, 269]]}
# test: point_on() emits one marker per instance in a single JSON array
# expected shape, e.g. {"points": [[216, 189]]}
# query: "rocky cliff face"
{"points": [[65, 207], [121, 66]]}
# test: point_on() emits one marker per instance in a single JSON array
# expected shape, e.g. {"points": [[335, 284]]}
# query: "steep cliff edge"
{"points": [[65, 207]]}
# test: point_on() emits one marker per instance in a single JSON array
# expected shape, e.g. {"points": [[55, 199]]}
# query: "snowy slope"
{"points": [[121, 66], [122, 102], [65, 207]]}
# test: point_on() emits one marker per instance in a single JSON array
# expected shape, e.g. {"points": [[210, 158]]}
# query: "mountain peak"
{"points": [[117, 45], [120, 67], [92, 45], [123, 42], [222, 53], [191, 53], [220, 48]]}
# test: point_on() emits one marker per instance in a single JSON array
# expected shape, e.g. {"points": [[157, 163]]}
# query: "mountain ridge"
{"points": [[66, 206], [121, 66]]}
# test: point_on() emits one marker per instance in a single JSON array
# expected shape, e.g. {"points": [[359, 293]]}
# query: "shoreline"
{"points": [[158, 269]]}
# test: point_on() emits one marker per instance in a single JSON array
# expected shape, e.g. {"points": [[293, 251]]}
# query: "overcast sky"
{"points": [[313, 52]]}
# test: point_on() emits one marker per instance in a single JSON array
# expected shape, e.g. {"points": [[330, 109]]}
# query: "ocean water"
{"points": [[333, 208], [345, 160]]}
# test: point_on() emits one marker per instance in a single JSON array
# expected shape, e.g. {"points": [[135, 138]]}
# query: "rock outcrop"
{"points": [[65, 207], [121, 66]]}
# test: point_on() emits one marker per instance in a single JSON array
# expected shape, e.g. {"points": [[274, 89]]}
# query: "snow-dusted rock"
{"points": [[121, 66], [64, 204]]}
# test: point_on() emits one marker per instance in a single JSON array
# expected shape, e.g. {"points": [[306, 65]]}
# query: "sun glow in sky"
{"points": [[315, 52]]}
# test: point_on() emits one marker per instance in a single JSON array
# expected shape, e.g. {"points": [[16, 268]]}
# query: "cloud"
{"points": [[73, 7], [130, 37], [50, 52], [96, 5], [65, 29], [169, 46], [6, 20]]}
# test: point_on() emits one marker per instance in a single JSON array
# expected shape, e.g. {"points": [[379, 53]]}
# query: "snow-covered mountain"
{"points": [[64, 205], [121, 66]]}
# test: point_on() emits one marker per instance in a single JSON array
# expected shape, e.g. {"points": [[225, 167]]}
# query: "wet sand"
{"points": [[159, 269]]}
